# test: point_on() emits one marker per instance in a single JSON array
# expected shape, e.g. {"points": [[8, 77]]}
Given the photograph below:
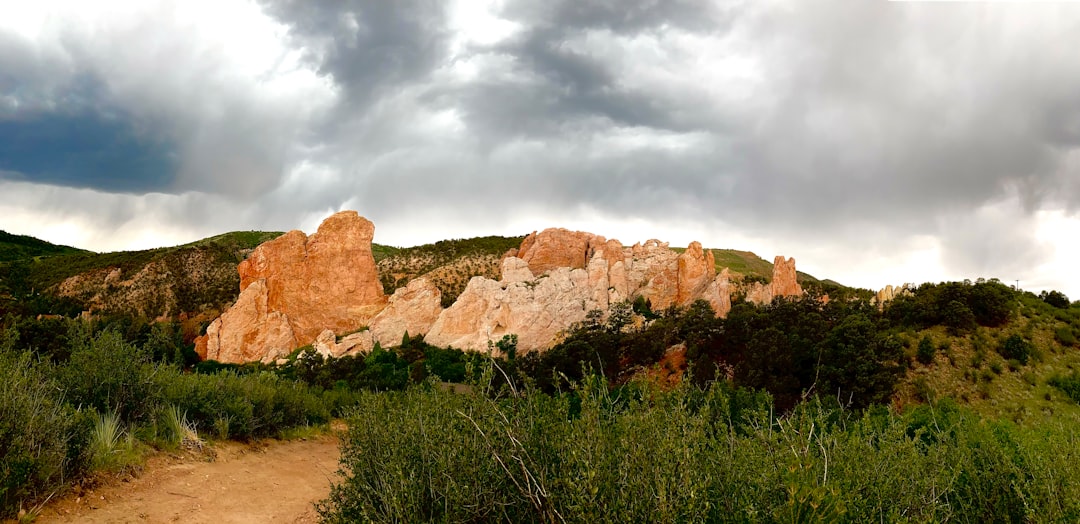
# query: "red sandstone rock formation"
{"points": [[785, 280], [784, 283], [411, 309], [556, 247], [696, 269], [537, 299], [297, 290], [295, 287], [889, 293]]}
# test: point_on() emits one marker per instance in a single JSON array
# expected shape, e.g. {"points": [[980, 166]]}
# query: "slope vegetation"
{"points": [[21, 247], [163, 282], [449, 264]]}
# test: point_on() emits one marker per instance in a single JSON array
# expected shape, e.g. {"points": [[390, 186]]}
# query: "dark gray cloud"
{"points": [[78, 142]]}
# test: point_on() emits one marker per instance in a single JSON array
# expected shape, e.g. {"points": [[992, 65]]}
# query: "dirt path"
{"points": [[270, 481]]}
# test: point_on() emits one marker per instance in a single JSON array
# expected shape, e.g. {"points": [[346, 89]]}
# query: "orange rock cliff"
{"points": [[298, 290]]}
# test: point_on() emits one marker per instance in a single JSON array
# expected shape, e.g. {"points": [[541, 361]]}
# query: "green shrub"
{"points": [[1016, 347], [925, 352], [108, 374], [42, 440], [242, 406], [1068, 384]]}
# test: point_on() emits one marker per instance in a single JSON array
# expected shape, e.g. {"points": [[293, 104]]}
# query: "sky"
{"points": [[876, 142]]}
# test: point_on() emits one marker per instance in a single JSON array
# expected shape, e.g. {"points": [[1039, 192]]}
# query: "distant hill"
{"points": [[22, 247]]}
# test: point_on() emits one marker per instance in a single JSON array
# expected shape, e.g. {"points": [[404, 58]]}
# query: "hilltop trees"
{"points": [[1055, 298], [959, 306]]}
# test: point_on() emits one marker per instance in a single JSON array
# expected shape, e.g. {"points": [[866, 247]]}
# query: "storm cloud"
{"points": [[856, 132]]}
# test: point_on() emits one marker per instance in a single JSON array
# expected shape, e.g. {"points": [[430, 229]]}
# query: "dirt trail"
{"points": [[271, 481]]}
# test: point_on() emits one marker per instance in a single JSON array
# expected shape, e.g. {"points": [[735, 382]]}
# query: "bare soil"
{"points": [[267, 481]]}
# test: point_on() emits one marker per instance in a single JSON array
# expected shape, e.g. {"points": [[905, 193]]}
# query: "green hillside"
{"points": [[1019, 370], [226, 248], [21, 247], [194, 278]]}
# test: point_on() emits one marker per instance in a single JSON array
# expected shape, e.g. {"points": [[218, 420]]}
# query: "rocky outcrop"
{"points": [[249, 331], [785, 280], [784, 283], [696, 270], [294, 287], [536, 309], [556, 247], [411, 309], [324, 291], [889, 293], [538, 306]]}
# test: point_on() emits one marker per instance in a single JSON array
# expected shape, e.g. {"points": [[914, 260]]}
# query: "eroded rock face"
{"points": [[540, 306], [322, 290], [889, 293], [784, 283], [294, 287], [163, 289], [696, 269], [249, 331], [556, 247], [535, 309], [411, 309]]}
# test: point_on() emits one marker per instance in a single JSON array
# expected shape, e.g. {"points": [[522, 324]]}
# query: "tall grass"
{"points": [[179, 431], [111, 447], [715, 455]]}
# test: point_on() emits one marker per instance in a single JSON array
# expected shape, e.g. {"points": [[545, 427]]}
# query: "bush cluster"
{"points": [[42, 439], [716, 455], [959, 306]]}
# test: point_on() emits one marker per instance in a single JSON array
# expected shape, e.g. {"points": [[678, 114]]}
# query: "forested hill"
{"points": [[21, 247]]}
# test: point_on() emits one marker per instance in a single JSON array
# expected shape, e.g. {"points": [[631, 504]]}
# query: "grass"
{"points": [[304, 432], [716, 455], [181, 432], [112, 448]]}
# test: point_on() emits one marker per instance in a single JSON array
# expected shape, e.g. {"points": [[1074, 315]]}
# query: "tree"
{"points": [[926, 351], [770, 365], [992, 303], [858, 363], [958, 317], [1055, 298]]}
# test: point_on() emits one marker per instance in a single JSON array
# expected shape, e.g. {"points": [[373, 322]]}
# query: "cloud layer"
{"points": [[926, 140]]}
